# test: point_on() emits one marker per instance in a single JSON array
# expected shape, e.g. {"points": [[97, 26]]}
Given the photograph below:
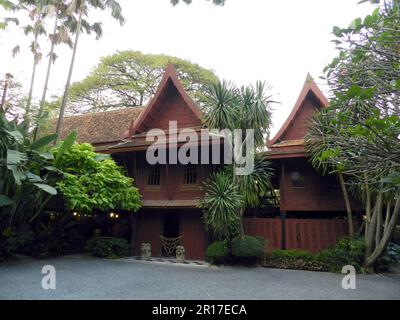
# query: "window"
{"points": [[154, 176], [298, 179], [190, 175]]}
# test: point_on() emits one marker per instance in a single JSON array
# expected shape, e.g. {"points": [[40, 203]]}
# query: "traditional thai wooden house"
{"points": [[312, 207], [170, 192]]}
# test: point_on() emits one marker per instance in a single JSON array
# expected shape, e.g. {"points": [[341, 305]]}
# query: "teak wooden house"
{"points": [[170, 192]]}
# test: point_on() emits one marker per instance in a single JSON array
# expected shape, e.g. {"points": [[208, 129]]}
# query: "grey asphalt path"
{"points": [[83, 277]]}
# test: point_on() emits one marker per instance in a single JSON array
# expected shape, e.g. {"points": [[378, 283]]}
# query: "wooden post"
{"points": [[134, 222], [283, 230]]}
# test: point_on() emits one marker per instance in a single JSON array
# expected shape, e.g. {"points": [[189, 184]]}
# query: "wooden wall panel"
{"points": [[314, 235], [270, 229], [193, 236], [149, 228]]}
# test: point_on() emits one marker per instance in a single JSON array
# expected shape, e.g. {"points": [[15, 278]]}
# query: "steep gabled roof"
{"points": [[309, 87], [169, 77]]}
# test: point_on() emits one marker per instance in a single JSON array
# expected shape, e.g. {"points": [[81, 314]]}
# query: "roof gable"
{"points": [[310, 99], [170, 102]]}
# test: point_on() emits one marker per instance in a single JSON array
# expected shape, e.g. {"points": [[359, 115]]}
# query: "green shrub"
{"points": [[293, 259], [389, 257], [396, 236], [293, 254], [346, 252], [247, 250], [218, 253], [108, 247], [11, 242]]}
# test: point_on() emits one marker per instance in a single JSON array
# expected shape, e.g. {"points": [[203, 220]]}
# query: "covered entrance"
{"points": [[185, 224], [171, 236]]}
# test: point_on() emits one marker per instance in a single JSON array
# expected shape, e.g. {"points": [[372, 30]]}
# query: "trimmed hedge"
{"points": [[247, 250], [108, 247], [218, 253], [293, 259]]}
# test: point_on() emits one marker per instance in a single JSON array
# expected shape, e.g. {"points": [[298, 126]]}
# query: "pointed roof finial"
{"points": [[309, 86], [309, 78]]}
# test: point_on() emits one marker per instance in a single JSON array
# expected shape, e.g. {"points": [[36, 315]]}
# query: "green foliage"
{"points": [[27, 174], [292, 254], [218, 253], [216, 2], [92, 182], [11, 242], [227, 196], [221, 204], [247, 250], [245, 108], [396, 235], [293, 259], [130, 79], [346, 252], [390, 256], [358, 135], [107, 247], [56, 234]]}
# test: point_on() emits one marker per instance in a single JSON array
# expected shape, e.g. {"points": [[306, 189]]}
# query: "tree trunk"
{"points": [[371, 227], [71, 68], [46, 84], [33, 76], [133, 232], [3, 100], [348, 205], [367, 206], [388, 209], [381, 247]]}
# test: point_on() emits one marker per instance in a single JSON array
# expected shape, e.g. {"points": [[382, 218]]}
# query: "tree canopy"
{"points": [[130, 79], [359, 134]]}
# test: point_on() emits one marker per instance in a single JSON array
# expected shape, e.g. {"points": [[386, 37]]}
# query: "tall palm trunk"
{"points": [[348, 205], [71, 68], [29, 101], [46, 84]]}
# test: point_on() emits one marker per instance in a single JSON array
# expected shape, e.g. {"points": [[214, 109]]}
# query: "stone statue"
{"points": [[145, 250], [180, 253]]}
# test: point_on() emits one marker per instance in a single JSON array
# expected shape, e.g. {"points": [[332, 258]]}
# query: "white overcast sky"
{"points": [[244, 41]]}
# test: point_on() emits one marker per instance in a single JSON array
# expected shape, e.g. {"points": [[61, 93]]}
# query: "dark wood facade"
{"points": [[301, 188], [170, 192]]}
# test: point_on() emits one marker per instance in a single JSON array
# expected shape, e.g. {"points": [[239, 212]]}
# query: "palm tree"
{"points": [[220, 204], [60, 35], [35, 9], [81, 8], [246, 108]]}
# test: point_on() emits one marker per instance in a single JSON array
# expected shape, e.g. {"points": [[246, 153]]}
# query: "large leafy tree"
{"points": [[94, 182], [130, 78], [245, 108], [359, 133]]}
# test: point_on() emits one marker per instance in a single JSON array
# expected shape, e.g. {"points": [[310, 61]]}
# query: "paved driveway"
{"points": [[90, 278]]}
